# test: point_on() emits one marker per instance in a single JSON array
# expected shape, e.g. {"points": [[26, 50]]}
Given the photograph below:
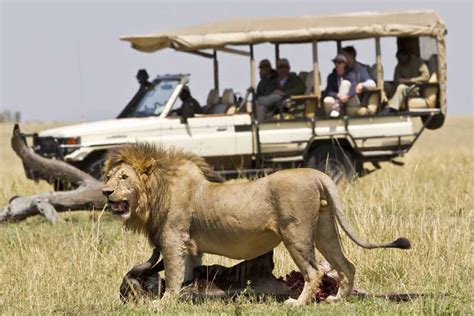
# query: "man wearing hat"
{"points": [[281, 86], [268, 79], [340, 90], [409, 70]]}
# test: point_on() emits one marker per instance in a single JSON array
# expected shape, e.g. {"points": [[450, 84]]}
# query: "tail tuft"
{"points": [[402, 243]]}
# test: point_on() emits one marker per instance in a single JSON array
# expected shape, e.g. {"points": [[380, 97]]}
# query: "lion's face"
{"points": [[121, 190]]}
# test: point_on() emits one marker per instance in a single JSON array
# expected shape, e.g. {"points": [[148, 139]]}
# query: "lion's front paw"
{"points": [[293, 302], [332, 299], [169, 297]]}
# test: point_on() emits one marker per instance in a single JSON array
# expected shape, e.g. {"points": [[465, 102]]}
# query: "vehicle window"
{"points": [[427, 47], [389, 59], [155, 99]]}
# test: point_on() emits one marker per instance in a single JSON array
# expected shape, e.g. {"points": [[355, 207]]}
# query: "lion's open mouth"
{"points": [[120, 208]]}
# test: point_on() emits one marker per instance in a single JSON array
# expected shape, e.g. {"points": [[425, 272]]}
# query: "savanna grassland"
{"points": [[77, 266]]}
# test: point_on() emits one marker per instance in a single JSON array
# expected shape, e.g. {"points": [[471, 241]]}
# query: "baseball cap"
{"points": [[340, 57]]}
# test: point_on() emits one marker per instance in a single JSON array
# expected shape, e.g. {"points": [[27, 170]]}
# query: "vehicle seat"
{"points": [[309, 82], [304, 76], [228, 99], [211, 101], [428, 91]]}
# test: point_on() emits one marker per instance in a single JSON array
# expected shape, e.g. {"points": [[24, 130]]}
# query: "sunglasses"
{"points": [[339, 62]]}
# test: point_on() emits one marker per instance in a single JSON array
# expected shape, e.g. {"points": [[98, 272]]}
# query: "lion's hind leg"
{"points": [[329, 244], [300, 244]]}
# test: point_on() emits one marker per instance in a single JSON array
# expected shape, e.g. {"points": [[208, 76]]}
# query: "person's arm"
{"points": [[363, 73], [187, 109], [259, 91], [197, 107], [424, 74], [352, 78], [396, 74], [331, 89]]}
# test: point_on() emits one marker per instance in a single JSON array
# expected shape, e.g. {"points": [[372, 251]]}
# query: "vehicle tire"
{"points": [[332, 160], [95, 166], [435, 122]]}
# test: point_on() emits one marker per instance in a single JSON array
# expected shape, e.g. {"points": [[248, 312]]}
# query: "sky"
{"points": [[63, 60]]}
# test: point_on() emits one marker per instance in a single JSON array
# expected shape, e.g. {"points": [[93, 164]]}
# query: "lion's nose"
{"points": [[107, 191]]}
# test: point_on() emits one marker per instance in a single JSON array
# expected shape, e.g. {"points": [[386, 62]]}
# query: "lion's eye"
{"points": [[123, 176]]}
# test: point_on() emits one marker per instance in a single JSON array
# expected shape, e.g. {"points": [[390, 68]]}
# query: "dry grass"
{"points": [[77, 267]]}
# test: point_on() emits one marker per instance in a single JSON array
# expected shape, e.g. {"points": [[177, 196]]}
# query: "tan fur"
{"points": [[183, 214]]}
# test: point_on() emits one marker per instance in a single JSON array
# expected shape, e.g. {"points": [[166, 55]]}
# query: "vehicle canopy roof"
{"points": [[298, 29]]}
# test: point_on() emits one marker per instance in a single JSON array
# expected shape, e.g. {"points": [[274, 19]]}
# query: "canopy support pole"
{"points": [[378, 62], [216, 70], [253, 79], [233, 51], [339, 47], [316, 83], [277, 53]]}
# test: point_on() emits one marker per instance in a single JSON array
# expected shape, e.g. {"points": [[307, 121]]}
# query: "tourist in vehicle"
{"points": [[287, 84], [409, 71], [190, 105], [340, 89], [268, 79], [362, 75]]}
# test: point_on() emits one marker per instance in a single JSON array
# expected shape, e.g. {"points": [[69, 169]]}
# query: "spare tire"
{"points": [[435, 122], [332, 160], [94, 166]]}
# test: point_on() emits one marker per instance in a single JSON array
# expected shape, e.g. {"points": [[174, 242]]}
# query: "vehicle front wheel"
{"points": [[336, 162], [95, 167]]}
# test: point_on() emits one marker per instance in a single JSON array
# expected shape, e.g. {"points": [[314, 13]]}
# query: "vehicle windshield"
{"points": [[154, 101]]}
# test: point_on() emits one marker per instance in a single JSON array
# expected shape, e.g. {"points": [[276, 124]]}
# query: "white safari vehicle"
{"points": [[229, 135]]}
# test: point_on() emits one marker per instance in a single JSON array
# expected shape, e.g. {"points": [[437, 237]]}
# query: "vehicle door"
{"points": [[204, 135], [284, 137]]}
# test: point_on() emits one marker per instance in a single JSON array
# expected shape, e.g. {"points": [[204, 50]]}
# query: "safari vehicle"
{"points": [[229, 135]]}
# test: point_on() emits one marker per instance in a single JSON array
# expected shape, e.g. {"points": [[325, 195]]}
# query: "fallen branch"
{"points": [[86, 195]]}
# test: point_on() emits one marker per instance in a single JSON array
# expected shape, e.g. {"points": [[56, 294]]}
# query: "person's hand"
{"points": [[343, 98], [404, 80], [359, 88]]}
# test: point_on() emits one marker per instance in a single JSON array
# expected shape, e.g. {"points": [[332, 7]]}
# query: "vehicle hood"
{"points": [[108, 131]]}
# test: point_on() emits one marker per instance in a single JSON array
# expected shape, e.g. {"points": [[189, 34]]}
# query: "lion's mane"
{"points": [[155, 166]]}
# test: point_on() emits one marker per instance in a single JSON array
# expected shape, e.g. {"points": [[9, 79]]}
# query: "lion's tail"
{"points": [[335, 202]]}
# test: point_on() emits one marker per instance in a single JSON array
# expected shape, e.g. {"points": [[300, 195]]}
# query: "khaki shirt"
{"points": [[416, 70]]}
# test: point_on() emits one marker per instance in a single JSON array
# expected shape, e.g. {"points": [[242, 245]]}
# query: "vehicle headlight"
{"points": [[72, 141], [69, 144]]}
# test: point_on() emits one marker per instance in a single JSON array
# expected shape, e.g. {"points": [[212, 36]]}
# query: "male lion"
{"points": [[172, 197]]}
